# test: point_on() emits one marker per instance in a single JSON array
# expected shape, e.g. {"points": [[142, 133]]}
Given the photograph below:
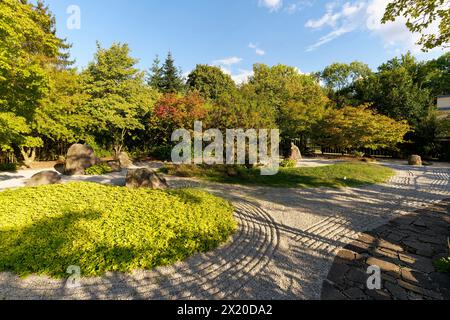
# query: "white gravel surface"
{"points": [[286, 242]]}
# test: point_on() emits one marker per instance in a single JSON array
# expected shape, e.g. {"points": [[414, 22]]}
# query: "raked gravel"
{"points": [[284, 248]]}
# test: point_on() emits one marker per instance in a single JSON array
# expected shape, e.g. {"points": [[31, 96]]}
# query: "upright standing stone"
{"points": [[124, 160], [79, 157], [296, 155]]}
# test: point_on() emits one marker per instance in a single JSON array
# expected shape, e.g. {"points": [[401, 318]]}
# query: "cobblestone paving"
{"points": [[404, 249], [285, 247]]}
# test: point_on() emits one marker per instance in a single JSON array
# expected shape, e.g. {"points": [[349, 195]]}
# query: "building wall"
{"points": [[443, 103]]}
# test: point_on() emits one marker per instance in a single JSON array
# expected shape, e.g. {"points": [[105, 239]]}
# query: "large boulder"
{"points": [[415, 160], [124, 160], [295, 155], [44, 178], [79, 157], [145, 178]]}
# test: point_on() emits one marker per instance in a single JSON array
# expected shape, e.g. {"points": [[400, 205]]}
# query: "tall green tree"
{"points": [[210, 81], [156, 75], [297, 99], [28, 48], [117, 95], [171, 81], [339, 79]]}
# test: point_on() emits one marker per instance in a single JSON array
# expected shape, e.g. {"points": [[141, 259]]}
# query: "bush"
{"points": [[104, 228], [98, 169], [8, 167], [288, 163], [162, 153]]}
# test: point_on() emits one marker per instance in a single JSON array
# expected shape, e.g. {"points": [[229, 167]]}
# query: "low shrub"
{"points": [[288, 163], [8, 167], [98, 169], [101, 228]]}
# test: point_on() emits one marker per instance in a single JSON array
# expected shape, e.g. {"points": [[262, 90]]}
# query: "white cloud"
{"points": [[258, 50], [364, 15], [227, 61], [273, 5], [242, 76]]}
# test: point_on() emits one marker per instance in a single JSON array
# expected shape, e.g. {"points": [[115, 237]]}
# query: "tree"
{"points": [[395, 92], [210, 81], [354, 128], [156, 75], [171, 81], [118, 97], [28, 47], [420, 14], [13, 130], [339, 80], [297, 99], [176, 111]]}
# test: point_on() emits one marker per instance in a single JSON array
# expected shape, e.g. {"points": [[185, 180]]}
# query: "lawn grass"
{"points": [[351, 174], [46, 229]]}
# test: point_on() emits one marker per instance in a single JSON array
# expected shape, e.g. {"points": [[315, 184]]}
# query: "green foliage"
{"points": [[101, 228], [171, 80], [210, 81], [288, 163], [353, 128], [443, 265], [8, 167], [98, 169], [297, 100], [334, 176], [420, 14], [117, 97]]}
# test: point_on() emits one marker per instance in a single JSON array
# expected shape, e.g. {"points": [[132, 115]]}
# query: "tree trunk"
{"points": [[29, 155]]}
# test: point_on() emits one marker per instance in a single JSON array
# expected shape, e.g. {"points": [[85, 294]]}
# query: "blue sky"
{"points": [[235, 34]]}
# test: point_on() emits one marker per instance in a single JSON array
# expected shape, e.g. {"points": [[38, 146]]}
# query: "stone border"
{"points": [[404, 249]]}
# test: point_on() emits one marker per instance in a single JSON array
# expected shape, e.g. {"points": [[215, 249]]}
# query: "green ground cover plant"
{"points": [[99, 228], [98, 169], [349, 174]]}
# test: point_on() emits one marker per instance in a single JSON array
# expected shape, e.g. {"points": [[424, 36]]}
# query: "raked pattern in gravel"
{"points": [[284, 248]]}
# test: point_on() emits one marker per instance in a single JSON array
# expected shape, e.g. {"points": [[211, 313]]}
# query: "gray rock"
{"points": [[124, 160], [114, 165], [415, 160], [79, 157], [44, 178], [145, 178]]}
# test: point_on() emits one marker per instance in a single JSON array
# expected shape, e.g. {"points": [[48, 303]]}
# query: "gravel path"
{"points": [[284, 249]]}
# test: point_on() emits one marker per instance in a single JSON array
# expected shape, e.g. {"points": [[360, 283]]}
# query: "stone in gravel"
{"points": [[391, 246], [357, 275], [384, 265], [415, 160], [145, 178], [44, 178], [416, 277], [336, 273], [347, 255], [417, 262], [397, 292], [124, 160], [329, 292], [379, 294], [420, 248], [114, 165], [79, 157], [355, 294]]}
